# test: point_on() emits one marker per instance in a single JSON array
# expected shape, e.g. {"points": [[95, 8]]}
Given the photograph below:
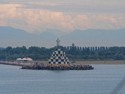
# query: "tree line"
{"points": [[73, 52]]}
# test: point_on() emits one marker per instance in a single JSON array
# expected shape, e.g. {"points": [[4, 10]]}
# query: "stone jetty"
{"points": [[58, 67], [45, 66]]}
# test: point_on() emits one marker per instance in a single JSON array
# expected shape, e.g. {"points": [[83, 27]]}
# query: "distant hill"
{"points": [[97, 37], [9, 32], [92, 37], [15, 37], [100, 33]]}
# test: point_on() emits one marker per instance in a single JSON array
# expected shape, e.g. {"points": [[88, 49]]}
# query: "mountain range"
{"points": [[92, 37]]}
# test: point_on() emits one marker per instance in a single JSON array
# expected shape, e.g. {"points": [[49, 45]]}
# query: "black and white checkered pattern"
{"points": [[58, 57]]}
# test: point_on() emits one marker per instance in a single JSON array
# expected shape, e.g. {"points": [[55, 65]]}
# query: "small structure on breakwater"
{"points": [[24, 59], [58, 61]]}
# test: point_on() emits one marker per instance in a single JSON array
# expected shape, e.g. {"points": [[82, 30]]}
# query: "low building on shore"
{"points": [[26, 59]]}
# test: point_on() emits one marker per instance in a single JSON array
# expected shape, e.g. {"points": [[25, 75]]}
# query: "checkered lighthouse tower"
{"points": [[58, 56]]}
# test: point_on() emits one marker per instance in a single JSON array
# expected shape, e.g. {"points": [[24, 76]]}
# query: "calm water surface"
{"points": [[102, 80]]}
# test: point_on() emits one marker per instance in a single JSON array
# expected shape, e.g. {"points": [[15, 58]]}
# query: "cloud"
{"points": [[89, 6], [38, 20]]}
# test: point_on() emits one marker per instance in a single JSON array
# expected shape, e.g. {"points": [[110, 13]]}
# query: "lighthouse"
{"points": [[58, 57]]}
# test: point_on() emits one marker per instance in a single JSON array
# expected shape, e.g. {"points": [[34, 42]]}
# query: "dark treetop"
{"points": [[73, 52]]}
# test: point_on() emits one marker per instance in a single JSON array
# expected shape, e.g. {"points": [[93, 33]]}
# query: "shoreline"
{"points": [[81, 62], [101, 62], [43, 65]]}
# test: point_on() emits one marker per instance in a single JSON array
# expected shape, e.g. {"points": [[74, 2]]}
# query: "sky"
{"points": [[63, 15]]}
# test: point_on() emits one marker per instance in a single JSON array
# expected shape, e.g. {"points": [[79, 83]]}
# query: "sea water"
{"points": [[102, 80]]}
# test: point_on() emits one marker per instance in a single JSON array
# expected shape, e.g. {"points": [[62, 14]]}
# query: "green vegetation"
{"points": [[73, 52]]}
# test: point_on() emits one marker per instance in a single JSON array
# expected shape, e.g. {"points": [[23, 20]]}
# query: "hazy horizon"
{"points": [[62, 19]]}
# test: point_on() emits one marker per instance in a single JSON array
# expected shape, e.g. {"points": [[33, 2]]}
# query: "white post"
{"points": [[58, 41]]}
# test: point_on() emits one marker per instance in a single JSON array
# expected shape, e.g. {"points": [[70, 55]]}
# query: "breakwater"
{"points": [[58, 67], [11, 63], [46, 66]]}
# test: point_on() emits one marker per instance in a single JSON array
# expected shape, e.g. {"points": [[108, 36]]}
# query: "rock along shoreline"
{"points": [[44, 66], [58, 67]]}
